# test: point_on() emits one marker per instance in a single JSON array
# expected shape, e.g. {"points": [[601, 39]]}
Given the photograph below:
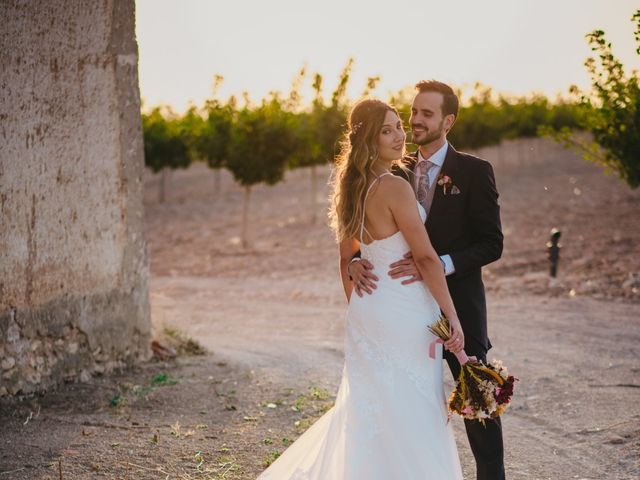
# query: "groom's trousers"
{"points": [[485, 440]]}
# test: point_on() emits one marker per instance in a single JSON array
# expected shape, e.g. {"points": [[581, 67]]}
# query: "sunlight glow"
{"points": [[514, 46]]}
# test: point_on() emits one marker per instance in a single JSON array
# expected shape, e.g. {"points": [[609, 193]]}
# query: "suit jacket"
{"points": [[466, 226]]}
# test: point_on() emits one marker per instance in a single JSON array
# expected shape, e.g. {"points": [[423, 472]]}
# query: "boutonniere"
{"points": [[447, 185]]}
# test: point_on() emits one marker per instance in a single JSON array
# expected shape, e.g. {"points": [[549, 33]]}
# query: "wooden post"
{"points": [[163, 184], [314, 193], [245, 216], [216, 181]]}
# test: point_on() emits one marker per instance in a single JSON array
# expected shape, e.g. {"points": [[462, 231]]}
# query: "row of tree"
{"points": [[258, 142]]}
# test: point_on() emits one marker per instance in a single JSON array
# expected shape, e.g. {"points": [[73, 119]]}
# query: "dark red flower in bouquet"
{"points": [[482, 390], [504, 393]]}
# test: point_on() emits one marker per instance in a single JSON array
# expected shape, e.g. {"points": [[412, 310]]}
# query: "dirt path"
{"points": [[574, 347], [273, 319], [576, 410]]}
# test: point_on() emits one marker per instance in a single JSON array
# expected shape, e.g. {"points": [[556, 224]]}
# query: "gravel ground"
{"points": [[272, 319]]}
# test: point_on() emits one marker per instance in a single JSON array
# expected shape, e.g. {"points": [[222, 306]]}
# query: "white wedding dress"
{"points": [[389, 421]]}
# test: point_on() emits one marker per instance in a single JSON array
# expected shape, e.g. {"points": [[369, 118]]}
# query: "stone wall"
{"points": [[73, 260]]}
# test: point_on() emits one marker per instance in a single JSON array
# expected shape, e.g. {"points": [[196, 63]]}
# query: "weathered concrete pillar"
{"points": [[73, 260]]}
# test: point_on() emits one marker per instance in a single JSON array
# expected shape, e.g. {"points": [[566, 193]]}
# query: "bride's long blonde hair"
{"points": [[354, 166]]}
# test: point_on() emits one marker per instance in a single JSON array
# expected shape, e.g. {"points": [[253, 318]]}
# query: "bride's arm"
{"points": [[401, 200], [348, 248]]}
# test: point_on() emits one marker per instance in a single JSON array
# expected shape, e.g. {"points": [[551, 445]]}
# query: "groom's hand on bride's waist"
{"points": [[405, 268], [364, 280]]}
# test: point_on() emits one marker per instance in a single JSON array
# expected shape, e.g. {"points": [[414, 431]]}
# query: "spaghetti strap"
{"points": [[364, 205]]}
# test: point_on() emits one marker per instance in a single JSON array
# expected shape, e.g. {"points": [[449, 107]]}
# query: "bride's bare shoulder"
{"points": [[394, 186]]}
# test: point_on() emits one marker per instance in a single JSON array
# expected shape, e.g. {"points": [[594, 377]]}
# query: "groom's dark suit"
{"points": [[464, 223]]}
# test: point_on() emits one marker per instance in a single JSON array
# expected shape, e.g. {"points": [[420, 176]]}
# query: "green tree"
{"points": [[481, 120], [165, 145], [215, 134], [487, 119], [191, 126], [318, 131], [611, 112], [372, 83], [306, 143], [261, 143]]}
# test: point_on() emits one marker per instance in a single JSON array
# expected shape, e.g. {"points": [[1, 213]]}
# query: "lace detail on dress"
{"points": [[390, 362], [368, 405], [389, 420]]}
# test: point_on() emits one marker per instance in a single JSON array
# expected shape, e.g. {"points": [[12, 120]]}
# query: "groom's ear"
{"points": [[449, 120]]}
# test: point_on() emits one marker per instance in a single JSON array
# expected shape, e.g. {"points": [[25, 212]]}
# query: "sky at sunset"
{"points": [[515, 46]]}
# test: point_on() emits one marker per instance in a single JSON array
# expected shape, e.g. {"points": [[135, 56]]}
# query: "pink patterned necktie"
{"points": [[423, 184]]}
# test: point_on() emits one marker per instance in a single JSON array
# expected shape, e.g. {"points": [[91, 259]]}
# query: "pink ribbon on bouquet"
{"points": [[461, 355], [432, 347]]}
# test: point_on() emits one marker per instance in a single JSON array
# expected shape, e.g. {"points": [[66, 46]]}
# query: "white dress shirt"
{"points": [[438, 159]]}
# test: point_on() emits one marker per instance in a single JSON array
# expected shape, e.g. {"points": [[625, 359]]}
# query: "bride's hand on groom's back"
{"points": [[405, 268], [364, 280]]}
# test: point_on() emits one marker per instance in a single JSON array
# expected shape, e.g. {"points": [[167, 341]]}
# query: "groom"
{"points": [[459, 193]]}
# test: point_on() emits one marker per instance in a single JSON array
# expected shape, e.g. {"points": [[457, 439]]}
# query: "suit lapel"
{"points": [[449, 168]]}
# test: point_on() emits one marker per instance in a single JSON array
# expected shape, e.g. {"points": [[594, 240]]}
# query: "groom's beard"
{"points": [[428, 136]]}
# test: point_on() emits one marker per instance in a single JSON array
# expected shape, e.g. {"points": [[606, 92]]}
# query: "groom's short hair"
{"points": [[450, 103]]}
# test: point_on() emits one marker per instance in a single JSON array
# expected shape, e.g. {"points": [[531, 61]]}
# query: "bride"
{"points": [[389, 420]]}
